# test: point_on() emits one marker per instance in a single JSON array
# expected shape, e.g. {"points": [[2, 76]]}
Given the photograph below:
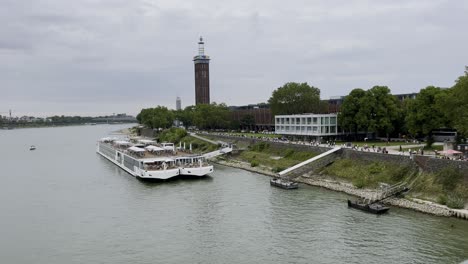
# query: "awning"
{"points": [[153, 148], [146, 141], [450, 152], [135, 149], [122, 142]]}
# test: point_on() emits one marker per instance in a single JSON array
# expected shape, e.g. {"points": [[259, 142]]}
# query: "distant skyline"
{"points": [[118, 56]]}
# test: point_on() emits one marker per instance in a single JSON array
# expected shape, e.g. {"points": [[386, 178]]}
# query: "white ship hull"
{"points": [[196, 171], [118, 158]]}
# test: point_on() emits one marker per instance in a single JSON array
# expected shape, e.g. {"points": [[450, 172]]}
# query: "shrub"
{"points": [[288, 153], [449, 178], [360, 182], [455, 201], [442, 199], [375, 168], [253, 163], [261, 146]]}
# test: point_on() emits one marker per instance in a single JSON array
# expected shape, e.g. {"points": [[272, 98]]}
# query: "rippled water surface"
{"points": [[62, 203]]}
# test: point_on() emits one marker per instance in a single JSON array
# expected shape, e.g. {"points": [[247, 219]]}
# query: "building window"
{"points": [[298, 120], [292, 121], [309, 128], [333, 120], [287, 120], [315, 120], [332, 129], [309, 120], [315, 129]]}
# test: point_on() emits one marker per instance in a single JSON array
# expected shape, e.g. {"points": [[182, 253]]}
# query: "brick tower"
{"points": [[202, 75]]}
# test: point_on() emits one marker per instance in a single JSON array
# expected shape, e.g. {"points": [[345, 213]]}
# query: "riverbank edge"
{"points": [[341, 186]]}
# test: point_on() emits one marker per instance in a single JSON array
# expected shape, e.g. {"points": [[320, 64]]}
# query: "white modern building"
{"points": [[316, 125]]}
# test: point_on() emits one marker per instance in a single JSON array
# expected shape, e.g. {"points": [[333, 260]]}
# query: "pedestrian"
{"points": [[401, 149]]}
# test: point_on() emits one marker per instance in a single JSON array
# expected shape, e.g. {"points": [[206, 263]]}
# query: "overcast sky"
{"points": [[93, 57]]}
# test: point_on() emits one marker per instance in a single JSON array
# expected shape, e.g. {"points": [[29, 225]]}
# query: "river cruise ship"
{"points": [[145, 159]]}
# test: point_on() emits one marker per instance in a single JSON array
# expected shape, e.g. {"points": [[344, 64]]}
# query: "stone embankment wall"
{"points": [[434, 165]]}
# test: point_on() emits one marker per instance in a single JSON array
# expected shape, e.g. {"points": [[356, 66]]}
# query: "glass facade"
{"points": [[307, 124]]}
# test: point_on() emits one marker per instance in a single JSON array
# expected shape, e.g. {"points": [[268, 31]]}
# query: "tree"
{"points": [[455, 104], [424, 113], [382, 109], [375, 110], [295, 98], [158, 117], [211, 116], [247, 121], [350, 117]]}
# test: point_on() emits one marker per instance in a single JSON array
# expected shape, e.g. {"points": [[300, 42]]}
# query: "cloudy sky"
{"points": [[93, 57]]}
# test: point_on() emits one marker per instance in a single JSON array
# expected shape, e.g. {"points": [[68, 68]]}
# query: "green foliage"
{"points": [[158, 117], [288, 153], [442, 199], [365, 174], [375, 110], [449, 178], [173, 135], [266, 156], [247, 121], [455, 105], [295, 98], [211, 116], [253, 163], [351, 118], [455, 201], [260, 146], [360, 182], [424, 113]]}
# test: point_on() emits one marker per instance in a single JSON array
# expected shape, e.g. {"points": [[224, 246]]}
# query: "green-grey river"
{"points": [[63, 203]]}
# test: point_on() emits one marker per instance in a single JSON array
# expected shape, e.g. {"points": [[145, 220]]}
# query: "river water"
{"points": [[63, 203]]}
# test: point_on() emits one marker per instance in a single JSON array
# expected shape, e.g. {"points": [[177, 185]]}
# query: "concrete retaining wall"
{"points": [[434, 165]]}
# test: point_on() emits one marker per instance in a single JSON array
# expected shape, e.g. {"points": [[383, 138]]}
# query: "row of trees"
{"points": [[376, 110], [291, 98], [204, 116]]}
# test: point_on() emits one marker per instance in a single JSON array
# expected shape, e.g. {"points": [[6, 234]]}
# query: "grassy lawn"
{"points": [[277, 160], [368, 174]]}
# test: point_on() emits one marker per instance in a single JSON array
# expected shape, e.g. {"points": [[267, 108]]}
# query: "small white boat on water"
{"points": [[32, 147], [144, 160]]}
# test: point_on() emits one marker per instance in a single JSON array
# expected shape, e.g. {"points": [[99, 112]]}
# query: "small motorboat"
{"points": [[375, 208], [32, 147], [285, 184]]}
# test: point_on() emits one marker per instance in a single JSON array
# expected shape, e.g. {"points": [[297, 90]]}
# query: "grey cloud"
{"points": [[121, 56]]}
